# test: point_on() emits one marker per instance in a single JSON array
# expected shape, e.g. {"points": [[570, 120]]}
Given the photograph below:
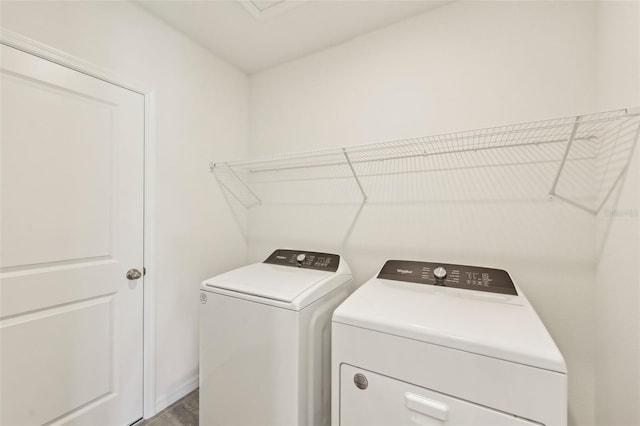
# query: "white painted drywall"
{"points": [[463, 66], [202, 115], [618, 238]]}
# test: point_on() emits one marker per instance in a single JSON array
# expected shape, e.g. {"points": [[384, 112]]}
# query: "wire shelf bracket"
{"points": [[574, 129], [355, 175], [621, 173]]}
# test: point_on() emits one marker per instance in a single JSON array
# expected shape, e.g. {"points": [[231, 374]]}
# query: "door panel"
{"points": [[89, 322], [72, 225], [68, 136]]}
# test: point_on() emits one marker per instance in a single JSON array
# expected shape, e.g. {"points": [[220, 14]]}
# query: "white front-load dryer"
{"points": [[265, 336], [432, 344]]}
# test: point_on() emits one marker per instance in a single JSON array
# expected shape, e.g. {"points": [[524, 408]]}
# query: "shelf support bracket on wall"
{"points": [[576, 123], [212, 168], [233, 172], [355, 175], [622, 172]]}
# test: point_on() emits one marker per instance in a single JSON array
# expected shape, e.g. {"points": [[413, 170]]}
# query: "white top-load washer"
{"points": [[430, 344], [265, 336]]}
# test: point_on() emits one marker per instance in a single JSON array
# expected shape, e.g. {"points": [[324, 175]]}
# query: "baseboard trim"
{"points": [[175, 393]]}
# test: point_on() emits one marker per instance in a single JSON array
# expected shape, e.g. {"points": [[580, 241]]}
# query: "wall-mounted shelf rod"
{"points": [[606, 139], [401, 157]]}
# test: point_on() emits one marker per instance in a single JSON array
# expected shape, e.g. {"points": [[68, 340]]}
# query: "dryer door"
{"points": [[367, 398]]}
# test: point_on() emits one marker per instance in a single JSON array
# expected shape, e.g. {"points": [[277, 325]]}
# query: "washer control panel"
{"points": [[448, 275], [305, 259]]}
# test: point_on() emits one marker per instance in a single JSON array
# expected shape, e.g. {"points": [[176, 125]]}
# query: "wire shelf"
{"points": [[576, 159]]}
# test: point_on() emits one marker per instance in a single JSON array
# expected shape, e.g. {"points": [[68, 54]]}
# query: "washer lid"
{"points": [[497, 325], [269, 281]]}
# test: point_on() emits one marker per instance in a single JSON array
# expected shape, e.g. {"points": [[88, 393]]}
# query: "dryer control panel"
{"points": [[305, 259], [448, 275]]}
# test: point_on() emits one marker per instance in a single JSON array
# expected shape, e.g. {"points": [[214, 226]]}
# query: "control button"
{"points": [[440, 273], [300, 258], [361, 381]]}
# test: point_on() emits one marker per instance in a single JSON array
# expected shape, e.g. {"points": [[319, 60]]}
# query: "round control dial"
{"points": [[301, 257], [440, 273]]}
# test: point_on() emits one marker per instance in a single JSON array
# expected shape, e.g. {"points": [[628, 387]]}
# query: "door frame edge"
{"points": [[44, 51]]}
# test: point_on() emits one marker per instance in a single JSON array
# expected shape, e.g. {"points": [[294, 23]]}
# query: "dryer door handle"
{"points": [[426, 406]]}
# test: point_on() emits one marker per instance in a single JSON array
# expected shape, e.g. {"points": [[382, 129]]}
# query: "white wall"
{"points": [[463, 66], [202, 115], [618, 273]]}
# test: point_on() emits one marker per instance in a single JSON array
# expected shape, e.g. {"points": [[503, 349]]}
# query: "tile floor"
{"points": [[183, 412]]}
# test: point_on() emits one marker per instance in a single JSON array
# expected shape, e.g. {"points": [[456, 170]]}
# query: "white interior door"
{"points": [[72, 225]]}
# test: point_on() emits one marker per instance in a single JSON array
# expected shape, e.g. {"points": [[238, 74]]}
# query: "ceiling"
{"points": [[258, 34]]}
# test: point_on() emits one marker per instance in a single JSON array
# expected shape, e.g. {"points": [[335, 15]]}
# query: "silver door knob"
{"points": [[133, 274]]}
